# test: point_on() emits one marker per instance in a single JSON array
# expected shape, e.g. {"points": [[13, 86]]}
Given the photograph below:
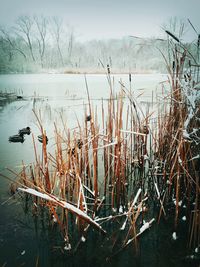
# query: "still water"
{"points": [[56, 95], [22, 241]]}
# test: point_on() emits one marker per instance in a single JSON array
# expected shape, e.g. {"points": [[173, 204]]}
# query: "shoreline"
{"points": [[86, 72]]}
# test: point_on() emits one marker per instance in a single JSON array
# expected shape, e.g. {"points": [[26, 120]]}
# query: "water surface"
{"points": [[55, 96]]}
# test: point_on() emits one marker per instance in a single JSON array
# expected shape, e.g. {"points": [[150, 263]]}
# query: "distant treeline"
{"points": [[40, 44]]}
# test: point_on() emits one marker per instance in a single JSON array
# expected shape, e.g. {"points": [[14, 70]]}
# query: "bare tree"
{"points": [[41, 26], [23, 30], [70, 46], [56, 32], [177, 26], [12, 44], [6, 49]]}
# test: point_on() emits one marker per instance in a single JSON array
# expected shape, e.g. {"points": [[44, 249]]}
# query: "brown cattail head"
{"points": [[88, 118], [108, 68], [173, 36], [145, 129], [79, 143], [173, 65]]}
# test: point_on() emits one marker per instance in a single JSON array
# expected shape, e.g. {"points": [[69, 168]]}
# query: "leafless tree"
{"points": [[70, 46], [41, 27], [24, 25], [56, 24], [11, 43]]}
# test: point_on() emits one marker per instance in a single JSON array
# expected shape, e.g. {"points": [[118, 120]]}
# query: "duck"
{"points": [[17, 138], [40, 139], [26, 130]]}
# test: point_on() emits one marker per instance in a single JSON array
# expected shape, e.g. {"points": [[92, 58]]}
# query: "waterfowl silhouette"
{"points": [[26, 130], [17, 138], [40, 139]]}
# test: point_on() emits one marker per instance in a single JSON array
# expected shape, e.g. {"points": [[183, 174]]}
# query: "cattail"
{"points": [[173, 36], [130, 77], [108, 68], [88, 118], [79, 143], [185, 77], [145, 129], [173, 65]]}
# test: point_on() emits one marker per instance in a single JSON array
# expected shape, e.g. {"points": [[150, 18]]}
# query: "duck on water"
{"points": [[41, 138], [26, 130], [16, 138], [19, 138]]}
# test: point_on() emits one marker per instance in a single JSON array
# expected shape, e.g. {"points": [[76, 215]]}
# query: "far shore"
{"points": [[84, 71]]}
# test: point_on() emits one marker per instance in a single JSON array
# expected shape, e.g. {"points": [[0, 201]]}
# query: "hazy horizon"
{"points": [[107, 19]]}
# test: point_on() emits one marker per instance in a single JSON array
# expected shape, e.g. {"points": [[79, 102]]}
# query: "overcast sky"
{"points": [[97, 19]]}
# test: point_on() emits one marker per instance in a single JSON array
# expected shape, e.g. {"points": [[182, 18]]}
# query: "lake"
{"points": [[22, 239], [57, 94]]}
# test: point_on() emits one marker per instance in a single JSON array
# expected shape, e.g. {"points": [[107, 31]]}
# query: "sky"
{"points": [[102, 19]]}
